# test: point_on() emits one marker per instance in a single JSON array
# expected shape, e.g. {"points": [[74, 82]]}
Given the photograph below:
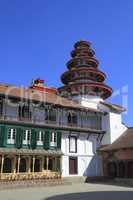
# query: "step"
{"points": [[31, 183], [74, 179]]}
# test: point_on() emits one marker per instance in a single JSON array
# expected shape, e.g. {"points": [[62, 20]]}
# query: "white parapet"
{"points": [[88, 101]]}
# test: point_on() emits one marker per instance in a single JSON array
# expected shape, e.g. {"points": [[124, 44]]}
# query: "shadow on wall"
{"points": [[109, 195], [94, 168]]}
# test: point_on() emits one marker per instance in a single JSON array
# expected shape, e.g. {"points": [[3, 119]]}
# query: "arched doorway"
{"points": [[22, 166], [130, 169], [7, 167], [37, 165], [121, 170], [112, 169]]}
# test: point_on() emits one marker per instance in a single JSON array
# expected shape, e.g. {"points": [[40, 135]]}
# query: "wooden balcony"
{"points": [[52, 124]]}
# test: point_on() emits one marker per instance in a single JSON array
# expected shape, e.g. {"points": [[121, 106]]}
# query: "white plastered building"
{"points": [[84, 83]]}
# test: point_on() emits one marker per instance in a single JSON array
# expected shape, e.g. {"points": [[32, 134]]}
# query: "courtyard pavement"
{"points": [[83, 191]]}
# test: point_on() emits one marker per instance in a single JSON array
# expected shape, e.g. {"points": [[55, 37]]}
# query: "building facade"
{"points": [[47, 132], [85, 84], [117, 158]]}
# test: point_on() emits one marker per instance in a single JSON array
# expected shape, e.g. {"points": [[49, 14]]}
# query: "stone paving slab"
{"points": [[83, 191]]}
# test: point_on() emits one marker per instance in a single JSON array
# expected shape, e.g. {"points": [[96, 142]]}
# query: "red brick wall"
{"points": [[120, 155], [124, 154]]}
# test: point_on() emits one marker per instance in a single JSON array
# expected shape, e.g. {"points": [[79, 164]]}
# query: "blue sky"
{"points": [[36, 37]]}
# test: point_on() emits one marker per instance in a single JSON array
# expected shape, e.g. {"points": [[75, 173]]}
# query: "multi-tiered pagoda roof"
{"points": [[83, 76]]}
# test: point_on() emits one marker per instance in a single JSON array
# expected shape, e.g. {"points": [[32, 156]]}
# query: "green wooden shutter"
{"points": [[19, 138], [46, 140], [33, 139], [2, 136], [58, 139], [37, 135]]}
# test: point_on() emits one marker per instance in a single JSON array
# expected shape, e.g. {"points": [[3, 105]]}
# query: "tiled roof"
{"points": [[40, 96], [114, 106], [125, 141]]}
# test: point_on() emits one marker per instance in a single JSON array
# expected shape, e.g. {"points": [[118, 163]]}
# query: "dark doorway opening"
{"points": [[73, 165], [22, 167], [37, 165], [130, 169], [112, 169], [121, 170], [7, 168]]}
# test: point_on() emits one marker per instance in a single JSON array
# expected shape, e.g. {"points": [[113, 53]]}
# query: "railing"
{"points": [[72, 124], [51, 123], [29, 176]]}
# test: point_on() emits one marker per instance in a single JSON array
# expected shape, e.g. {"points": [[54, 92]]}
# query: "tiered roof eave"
{"points": [[83, 71]]}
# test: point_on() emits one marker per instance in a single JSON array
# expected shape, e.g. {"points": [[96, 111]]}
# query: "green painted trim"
{"points": [[19, 137]]}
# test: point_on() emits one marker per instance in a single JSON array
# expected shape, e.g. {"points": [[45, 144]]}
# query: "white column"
{"points": [[47, 162], [33, 164], [18, 164], [2, 163]]}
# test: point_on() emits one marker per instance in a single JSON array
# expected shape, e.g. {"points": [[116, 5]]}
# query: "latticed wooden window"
{"points": [[27, 136], [54, 137], [53, 140], [24, 137], [40, 136], [11, 135], [26, 112], [52, 115], [14, 134]]}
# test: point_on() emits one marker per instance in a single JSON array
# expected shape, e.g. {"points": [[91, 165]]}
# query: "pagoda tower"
{"points": [[83, 81]]}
